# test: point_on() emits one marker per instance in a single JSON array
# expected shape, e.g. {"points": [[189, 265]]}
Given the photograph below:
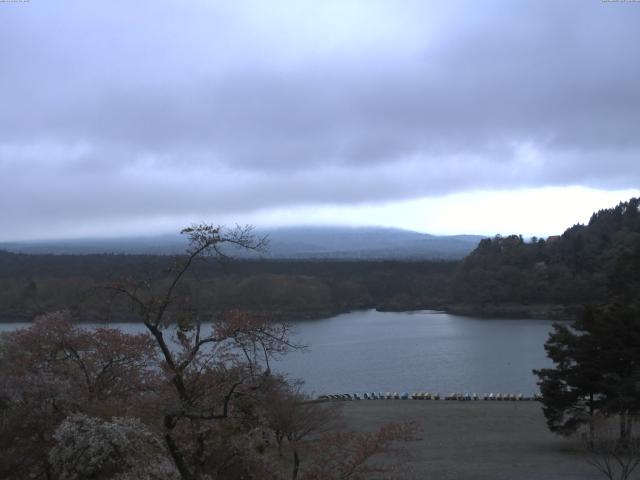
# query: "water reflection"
{"points": [[429, 351]]}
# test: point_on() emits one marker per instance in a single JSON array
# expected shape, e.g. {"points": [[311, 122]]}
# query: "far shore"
{"points": [[546, 312], [505, 310], [541, 312]]}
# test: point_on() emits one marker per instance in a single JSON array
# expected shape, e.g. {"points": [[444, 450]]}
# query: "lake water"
{"points": [[412, 351]]}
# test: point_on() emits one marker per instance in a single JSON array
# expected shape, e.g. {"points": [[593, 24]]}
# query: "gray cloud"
{"points": [[121, 111]]}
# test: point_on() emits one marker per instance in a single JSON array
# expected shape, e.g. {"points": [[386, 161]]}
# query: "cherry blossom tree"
{"points": [[54, 368], [116, 449]]}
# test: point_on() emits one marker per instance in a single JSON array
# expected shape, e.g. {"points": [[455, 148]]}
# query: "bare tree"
{"points": [[209, 369], [294, 417], [347, 455], [616, 460]]}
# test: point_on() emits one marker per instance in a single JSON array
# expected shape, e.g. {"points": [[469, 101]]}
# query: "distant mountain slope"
{"points": [[366, 243], [291, 242]]}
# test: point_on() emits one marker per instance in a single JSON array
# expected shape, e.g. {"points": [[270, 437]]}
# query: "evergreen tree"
{"points": [[616, 330], [571, 392], [597, 370]]}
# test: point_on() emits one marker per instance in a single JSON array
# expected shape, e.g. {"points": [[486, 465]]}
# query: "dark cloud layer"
{"points": [[125, 110]]}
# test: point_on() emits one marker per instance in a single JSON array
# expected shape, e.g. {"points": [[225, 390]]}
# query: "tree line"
{"points": [[571, 269], [31, 285]]}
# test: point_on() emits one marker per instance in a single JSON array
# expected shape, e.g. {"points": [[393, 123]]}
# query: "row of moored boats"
{"points": [[431, 396]]}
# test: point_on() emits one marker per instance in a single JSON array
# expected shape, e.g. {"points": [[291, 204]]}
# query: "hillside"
{"points": [[586, 264], [32, 284]]}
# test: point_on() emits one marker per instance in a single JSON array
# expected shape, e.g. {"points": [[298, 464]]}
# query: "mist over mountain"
{"points": [[361, 243], [366, 243]]}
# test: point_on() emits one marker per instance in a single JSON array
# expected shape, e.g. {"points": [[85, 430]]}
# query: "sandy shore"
{"points": [[477, 440]]}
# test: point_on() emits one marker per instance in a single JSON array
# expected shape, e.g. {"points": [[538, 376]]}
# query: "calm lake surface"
{"points": [[412, 351]]}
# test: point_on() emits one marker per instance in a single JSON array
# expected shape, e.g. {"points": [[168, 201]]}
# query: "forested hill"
{"points": [[33, 284], [586, 264]]}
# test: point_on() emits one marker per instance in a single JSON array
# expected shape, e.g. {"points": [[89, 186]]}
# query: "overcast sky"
{"points": [[133, 117]]}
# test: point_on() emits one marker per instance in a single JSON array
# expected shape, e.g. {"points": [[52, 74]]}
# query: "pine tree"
{"points": [[597, 370], [617, 332], [571, 392]]}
